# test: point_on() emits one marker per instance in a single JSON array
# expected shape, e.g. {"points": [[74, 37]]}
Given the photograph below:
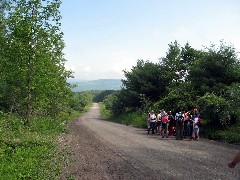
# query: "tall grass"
{"points": [[28, 152]]}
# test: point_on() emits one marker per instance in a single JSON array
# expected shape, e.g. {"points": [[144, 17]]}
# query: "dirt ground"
{"points": [[104, 150]]}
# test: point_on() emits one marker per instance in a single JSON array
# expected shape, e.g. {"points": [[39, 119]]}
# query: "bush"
{"points": [[137, 119], [233, 97], [178, 97], [131, 118], [27, 152], [215, 109], [230, 135]]}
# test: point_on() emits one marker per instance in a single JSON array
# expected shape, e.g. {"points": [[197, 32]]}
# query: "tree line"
{"points": [[36, 102], [33, 77], [32, 73], [185, 78]]}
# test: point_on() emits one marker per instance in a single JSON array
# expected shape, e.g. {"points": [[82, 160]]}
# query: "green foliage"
{"points": [[33, 76], [105, 113], [232, 95], [138, 118], [99, 97], [146, 78], [178, 97], [81, 100], [184, 79], [215, 109], [109, 100], [230, 135], [28, 152], [216, 69], [111, 103]]}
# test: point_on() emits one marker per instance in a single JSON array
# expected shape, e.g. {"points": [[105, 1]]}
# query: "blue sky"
{"points": [[104, 37]]}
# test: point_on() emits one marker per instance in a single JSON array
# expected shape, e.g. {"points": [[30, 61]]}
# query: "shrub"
{"points": [[27, 152], [215, 109]]}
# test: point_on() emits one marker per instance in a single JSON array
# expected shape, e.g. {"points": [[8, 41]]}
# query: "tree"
{"points": [[146, 78], [178, 97], [216, 69], [178, 60], [80, 100], [101, 95], [233, 97], [34, 68], [215, 109]]}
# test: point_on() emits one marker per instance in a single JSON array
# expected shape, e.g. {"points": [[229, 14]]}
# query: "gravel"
{"points": [[104, 150]]}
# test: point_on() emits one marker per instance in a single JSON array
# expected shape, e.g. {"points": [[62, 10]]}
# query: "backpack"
{"points": [[165, 119], [199, 123], [180, 119]]}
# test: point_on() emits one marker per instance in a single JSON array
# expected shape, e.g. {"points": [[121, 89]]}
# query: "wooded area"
{"points": [[36, 102], [33, 76], [185, 78]]}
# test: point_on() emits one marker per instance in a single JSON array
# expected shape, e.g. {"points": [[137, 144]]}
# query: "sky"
{"points": [[105, 37]]}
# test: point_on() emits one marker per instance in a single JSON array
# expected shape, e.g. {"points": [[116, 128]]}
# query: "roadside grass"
{"points": [[229, 135], [138, 119], [29, 152], [106, 114]]}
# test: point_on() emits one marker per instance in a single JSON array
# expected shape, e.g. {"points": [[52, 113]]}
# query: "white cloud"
{"points": [[87, 69]]}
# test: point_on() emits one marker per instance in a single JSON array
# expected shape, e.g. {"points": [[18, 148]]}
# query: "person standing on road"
{"points": [[171, 123], [159, 123], [165, 121], [179, 125], [148, 119], [191, 124], [195, 134], [186, 129], [152, 121], [235, 160]]}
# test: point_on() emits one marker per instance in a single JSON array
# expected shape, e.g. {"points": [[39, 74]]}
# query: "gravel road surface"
{"points": [[104, 150]]}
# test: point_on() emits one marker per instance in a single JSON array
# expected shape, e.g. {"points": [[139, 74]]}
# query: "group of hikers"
{"points": [[182, 124]]}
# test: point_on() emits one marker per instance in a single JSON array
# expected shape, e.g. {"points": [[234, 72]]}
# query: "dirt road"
{"points": [[106, 150]]}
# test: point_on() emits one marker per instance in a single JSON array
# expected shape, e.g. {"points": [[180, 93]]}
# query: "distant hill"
{"points": [[101, 84], [73, 80]]}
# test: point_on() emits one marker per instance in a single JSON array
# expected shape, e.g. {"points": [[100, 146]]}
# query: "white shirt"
{"points": [[195, 121], [152, 118]]}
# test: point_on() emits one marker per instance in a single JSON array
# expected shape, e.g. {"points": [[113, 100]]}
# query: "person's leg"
{"points": [[197, 138], [160, 128], [163, 132], [163, 129], [167, 130], [191, 130], [177, 131], [194, 134], [153, 127], [170, 127], [149, 127], [185, 129], [181, 132]]}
